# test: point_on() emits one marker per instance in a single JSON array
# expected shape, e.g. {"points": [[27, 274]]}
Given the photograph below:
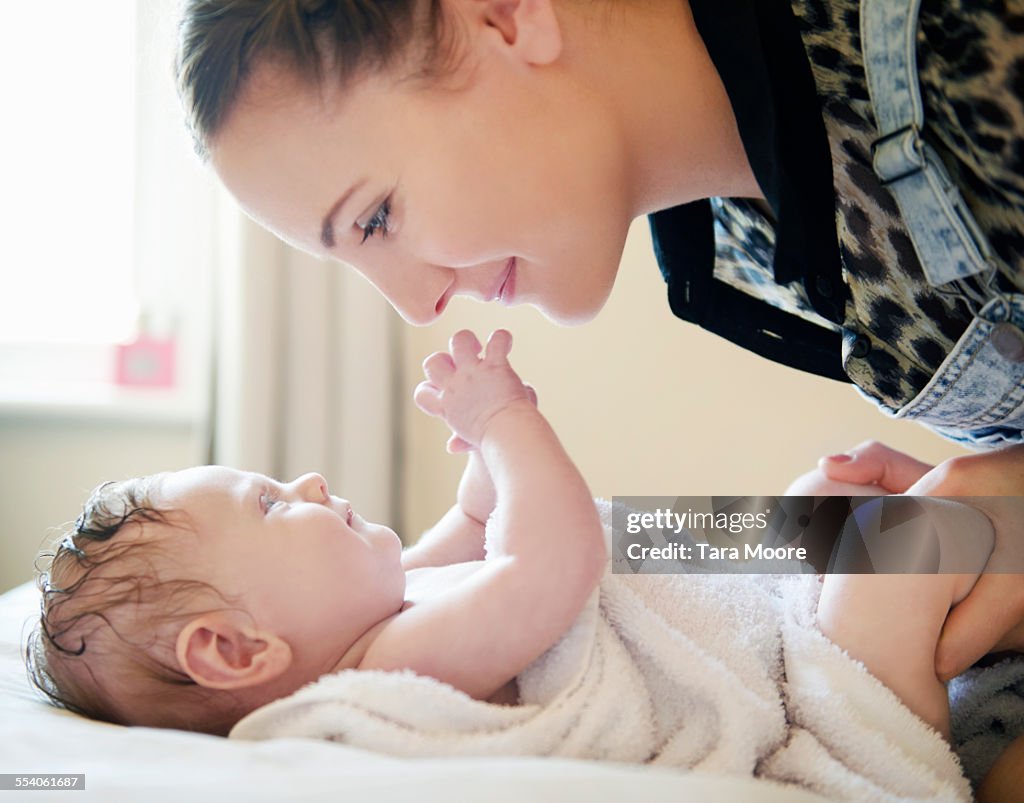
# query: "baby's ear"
{"points": [[222, 650]]}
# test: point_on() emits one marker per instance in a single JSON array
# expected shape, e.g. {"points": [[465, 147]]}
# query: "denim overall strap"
{"points": [[947, 239]]}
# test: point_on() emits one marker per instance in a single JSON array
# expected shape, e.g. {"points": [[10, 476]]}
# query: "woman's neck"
{"points": [[648, 61]]}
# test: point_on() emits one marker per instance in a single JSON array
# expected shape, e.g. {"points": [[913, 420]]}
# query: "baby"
{"points": [[190, 599]]}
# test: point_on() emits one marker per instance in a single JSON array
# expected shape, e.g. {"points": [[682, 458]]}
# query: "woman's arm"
{"points": [[1002, 784]]}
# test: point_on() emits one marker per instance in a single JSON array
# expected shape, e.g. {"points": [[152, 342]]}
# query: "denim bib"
{"points": [[977, 394]]}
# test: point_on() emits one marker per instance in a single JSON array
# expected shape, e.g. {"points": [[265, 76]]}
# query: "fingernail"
{"points": [[840, 458]]}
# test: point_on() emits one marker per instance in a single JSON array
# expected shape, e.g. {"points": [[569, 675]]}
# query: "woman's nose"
{"points": [[418, 291], [312, 488]]}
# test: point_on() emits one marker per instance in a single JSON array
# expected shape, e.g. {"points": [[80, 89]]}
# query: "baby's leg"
{"points": [[891, 623]]}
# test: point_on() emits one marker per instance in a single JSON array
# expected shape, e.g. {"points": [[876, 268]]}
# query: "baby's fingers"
{"points": [[499, 344], [428, 398], [464, 347], [439, 368]]}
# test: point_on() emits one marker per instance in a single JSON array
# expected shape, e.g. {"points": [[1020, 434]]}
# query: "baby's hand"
{"points": [[467, 391]]}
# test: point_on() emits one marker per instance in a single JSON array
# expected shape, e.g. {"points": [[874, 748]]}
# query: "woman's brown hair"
{"points": [[220, 41]]}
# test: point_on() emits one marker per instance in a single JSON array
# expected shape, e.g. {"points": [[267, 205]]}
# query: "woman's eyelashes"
{"points": [[379, 222]]}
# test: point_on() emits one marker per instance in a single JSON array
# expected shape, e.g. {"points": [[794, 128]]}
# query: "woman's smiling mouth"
{"points": [[501, 290]]}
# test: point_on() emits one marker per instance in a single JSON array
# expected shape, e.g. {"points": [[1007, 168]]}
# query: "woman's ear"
{"points": [[528, 27], [222, 650]]}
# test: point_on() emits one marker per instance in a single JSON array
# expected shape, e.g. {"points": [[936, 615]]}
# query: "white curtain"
{"points": [[305, 369]]}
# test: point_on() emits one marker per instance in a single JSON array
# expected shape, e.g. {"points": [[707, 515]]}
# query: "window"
{"points": [[69, 173], [110, 217]]}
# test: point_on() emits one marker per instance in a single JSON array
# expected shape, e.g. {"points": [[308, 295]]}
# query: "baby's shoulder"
{"points": [[432, 581], [409, 632]]}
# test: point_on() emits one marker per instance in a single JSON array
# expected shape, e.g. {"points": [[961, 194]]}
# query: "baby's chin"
{"points": [[386, 537]]}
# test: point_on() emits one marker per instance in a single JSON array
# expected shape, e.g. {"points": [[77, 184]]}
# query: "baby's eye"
{"points": [[379, 222], [268, 501]]}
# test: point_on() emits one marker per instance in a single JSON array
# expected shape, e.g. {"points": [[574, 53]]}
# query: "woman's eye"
{"points": [[379, 222]]}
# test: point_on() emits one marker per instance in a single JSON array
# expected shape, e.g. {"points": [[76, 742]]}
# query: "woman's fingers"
{"points": [[874, 463]]}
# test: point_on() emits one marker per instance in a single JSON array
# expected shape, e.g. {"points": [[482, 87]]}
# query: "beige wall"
{"points": [[49, 465], [648, 405]]}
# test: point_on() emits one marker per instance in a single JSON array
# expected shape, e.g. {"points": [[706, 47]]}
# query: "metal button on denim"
{"points": [[861, 346], [1008, 340]]}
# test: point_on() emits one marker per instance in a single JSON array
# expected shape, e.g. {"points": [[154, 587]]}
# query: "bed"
{"points": [[126, 764]]}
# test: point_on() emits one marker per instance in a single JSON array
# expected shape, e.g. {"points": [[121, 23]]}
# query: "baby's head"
{"points": [[188, 599]]}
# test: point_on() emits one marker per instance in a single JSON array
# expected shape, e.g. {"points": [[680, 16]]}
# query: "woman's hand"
{"points": [[874, 463], [991, 617]]}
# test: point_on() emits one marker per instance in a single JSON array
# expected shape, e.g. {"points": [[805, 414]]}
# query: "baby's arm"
{"points": [[550, 550], [459, 536]]}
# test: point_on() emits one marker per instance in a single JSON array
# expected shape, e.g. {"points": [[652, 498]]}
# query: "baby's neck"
{"points": [[354, 655]]}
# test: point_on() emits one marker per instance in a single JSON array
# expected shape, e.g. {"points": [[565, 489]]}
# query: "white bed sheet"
{"points": [[129, 764]]}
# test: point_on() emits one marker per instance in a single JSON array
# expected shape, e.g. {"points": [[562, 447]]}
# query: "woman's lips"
{"points": [[442, 302], [502, 292]]}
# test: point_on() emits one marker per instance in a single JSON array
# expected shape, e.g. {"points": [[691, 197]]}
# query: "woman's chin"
{"points": [[574, 314]]}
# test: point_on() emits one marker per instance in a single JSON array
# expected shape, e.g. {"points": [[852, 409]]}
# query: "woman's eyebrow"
{"points": [[327, 225]]}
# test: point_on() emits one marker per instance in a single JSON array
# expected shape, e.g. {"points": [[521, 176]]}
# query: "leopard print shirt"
{"points": [[971, 69]]}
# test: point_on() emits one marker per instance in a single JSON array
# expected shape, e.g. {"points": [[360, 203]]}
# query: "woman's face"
{"points": [[504, 182]]}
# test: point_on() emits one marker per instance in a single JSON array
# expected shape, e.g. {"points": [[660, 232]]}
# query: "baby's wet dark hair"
{"points": [[220, 41], [100, 647]]}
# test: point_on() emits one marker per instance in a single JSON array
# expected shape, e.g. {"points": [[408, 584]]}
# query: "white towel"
{"points": [[724, 673]]}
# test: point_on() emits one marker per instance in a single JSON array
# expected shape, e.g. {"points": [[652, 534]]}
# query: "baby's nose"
{"points": [[312, 487]]}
